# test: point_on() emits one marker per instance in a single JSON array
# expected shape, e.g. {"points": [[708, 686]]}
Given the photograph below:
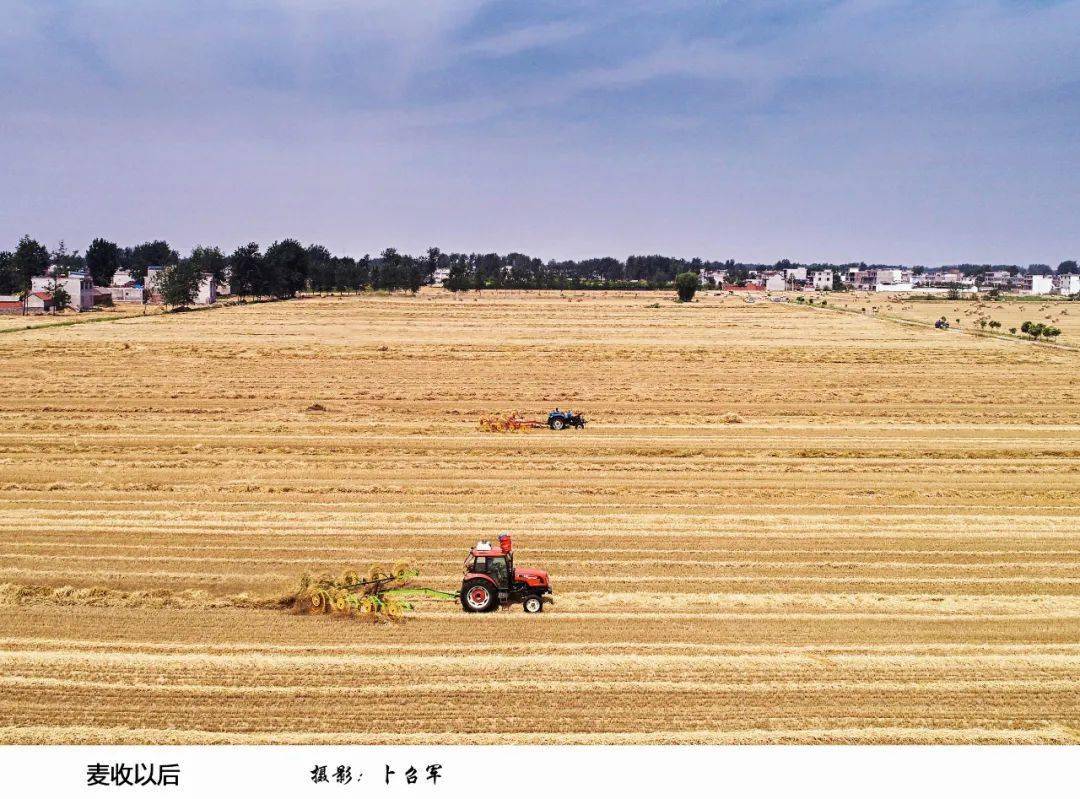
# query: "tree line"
{"points": [[287, 268]]}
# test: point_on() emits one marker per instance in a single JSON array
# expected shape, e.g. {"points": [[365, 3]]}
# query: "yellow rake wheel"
{"points": [[403, 569], [320, 601], [378, 572]]}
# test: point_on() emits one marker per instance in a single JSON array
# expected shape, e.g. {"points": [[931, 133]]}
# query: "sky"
{"points": [[886, 131]]}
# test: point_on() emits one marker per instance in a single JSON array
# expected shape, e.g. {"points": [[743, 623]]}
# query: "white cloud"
{"points": [[527, 38]]}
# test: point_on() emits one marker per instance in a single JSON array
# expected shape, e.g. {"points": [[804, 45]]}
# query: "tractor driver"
{"points": [[497, 571]]}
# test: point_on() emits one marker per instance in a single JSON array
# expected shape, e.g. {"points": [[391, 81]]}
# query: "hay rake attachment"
{"points": [[382, 595], [512, 423]]}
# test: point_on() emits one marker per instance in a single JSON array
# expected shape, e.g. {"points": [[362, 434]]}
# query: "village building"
{"points": [[126, 289], [102, 296], [1067, 284], [206, 295], [78, 285], [1038, 284], [40, 302], [884, 279], [131, 294], [775, 282], [823, 280], [947, 276], [998, 279], [713, 277]]}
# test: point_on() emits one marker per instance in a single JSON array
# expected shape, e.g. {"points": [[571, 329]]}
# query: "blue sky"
{"points": [[915, 132]]}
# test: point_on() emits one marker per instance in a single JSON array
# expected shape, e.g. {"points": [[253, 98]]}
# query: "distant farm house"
{"points": [[207, 294], [78, 285]]}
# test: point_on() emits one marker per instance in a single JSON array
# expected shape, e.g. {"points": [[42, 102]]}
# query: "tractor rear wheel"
{"points": [[557, 424], [477, 596], [533, 604]]}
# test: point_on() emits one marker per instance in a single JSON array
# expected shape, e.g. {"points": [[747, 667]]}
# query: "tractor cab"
{"points": [[492, 581], [494, 564]]}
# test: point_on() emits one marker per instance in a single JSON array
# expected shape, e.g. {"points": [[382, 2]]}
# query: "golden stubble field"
{"points": [[884, 549], [964, 315]]}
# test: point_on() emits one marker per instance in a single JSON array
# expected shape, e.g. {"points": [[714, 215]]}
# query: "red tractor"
{"points": [[491, 581]]}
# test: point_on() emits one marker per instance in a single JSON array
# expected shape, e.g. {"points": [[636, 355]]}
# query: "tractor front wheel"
{"points": [[478, 597], [533, 604]]}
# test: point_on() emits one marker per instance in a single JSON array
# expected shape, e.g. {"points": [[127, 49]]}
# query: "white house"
{"points": [[714, 277], [1067, 284], [152, 281], [78, 285], [823, 280], [39, 302], [207, 294], [132, 293], [795, 273], [948, 276], [889, 277], [125, 288], [886, 279], [775, 282], [207, 290], [1038, 284], [439, 275], [998, 277]]}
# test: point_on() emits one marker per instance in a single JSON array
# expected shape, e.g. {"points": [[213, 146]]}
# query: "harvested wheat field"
{"points": [[965, 315], [781, 524]]}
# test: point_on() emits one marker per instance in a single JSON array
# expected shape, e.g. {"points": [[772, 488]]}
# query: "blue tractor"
{"points": [[560, 420]]}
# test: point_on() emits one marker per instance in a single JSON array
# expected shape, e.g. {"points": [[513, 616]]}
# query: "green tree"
{"points": [[457, 280], [392, 268], [414, 277], [60, 295], [322, 269], [687, 284], [285, 268], [9, 280], [435, 260], [151, 253], [246, 271], [1033, 329], [30, 260], [66, 261], [179, 284], [210, 261], [102, 259]]}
